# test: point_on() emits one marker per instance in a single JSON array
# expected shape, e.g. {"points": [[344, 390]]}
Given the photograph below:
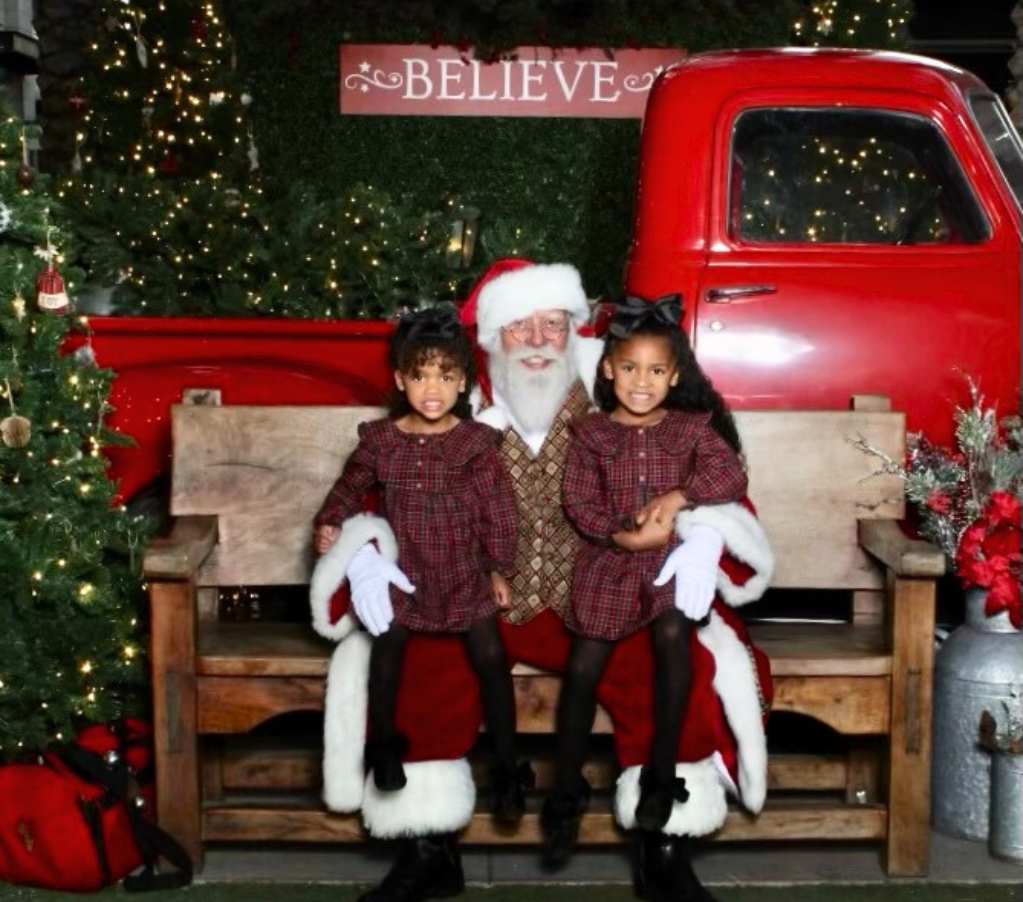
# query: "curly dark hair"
{"points": [[694, 390], [424, 336]]}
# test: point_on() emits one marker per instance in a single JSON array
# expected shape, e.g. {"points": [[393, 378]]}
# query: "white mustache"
{"points": [[533, 353]]}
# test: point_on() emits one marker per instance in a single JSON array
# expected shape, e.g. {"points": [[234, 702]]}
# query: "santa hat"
{"points": [[514, 288]]}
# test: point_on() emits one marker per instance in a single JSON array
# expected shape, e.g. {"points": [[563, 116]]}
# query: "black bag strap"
{"points": [[112, 773]]}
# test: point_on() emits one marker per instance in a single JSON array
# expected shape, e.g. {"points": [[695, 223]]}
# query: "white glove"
{"points": [[694, 567], [370, 575]]}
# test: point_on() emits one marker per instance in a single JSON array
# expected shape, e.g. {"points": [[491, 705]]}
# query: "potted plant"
{"points": [[967, 499]]}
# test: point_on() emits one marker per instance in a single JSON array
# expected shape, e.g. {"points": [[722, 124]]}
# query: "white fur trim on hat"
{"points": [[519, 293], [704, 812], [439, 797], [344, 724], [744, 538], [331, 569], [735, 683]]}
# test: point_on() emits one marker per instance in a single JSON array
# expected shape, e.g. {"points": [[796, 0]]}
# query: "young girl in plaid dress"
{"points": [[663, 439], [445, 491]]}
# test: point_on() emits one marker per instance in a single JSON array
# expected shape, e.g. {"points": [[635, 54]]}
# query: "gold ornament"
{"points": [[16, 431], [19, 306]]}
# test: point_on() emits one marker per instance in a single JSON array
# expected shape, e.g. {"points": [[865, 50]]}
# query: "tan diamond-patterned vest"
{"points": [[547, 543]]}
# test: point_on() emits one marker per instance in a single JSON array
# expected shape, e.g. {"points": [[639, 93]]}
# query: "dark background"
{"points": [[977, 36]]}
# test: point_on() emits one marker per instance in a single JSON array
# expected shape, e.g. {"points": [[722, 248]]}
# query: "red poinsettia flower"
{"points": [[990, 553], [1006, 506]]}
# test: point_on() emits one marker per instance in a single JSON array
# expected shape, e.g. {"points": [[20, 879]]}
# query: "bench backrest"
{"points": [[264, 471]]}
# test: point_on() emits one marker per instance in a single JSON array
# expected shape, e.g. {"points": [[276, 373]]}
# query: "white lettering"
{"points": [[446, 76], [507, 94], [528, 79], [476, 93], [599, 79], [411, 64], [568, 90]]}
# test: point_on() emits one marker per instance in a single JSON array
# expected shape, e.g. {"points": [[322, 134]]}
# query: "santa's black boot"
{"points": [[664, 869], [428, 867]]}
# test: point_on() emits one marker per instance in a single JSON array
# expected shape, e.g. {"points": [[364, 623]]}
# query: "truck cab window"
{"points": [[848, 176], [1001, 139]]}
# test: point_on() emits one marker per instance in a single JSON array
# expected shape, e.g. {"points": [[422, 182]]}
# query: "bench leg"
{"points": [[172, 606], [909, 753]]}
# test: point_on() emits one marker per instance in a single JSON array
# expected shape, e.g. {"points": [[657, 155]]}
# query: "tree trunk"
{"points": [[64, 28]]}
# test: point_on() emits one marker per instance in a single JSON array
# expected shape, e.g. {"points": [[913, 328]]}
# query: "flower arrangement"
{"points": [[968, 499]]}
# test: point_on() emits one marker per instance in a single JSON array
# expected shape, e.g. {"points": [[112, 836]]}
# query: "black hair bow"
{"points": [[440, 322], [633, 311]]}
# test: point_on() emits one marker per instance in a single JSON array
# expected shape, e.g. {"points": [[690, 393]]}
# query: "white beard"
{"points": [[534, 397]]}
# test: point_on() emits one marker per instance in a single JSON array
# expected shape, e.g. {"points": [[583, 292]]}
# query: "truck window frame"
{"points": [[961, 202], [1003, 138]]}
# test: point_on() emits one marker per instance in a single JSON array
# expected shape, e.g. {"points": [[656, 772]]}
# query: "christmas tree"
{"points": [[168, 198], [69, 651]]}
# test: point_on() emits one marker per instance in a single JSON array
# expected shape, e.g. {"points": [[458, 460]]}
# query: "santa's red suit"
{"points": [[722, 745]]}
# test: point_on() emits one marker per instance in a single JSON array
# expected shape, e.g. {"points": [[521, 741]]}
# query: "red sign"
{"points": [[417, 80]]}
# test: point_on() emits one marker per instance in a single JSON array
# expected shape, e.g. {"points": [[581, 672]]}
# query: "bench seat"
{"points": [[242, 501]]}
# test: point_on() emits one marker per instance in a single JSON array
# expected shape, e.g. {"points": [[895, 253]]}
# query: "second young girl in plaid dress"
{"points": [[452, 506], [663, 439]]}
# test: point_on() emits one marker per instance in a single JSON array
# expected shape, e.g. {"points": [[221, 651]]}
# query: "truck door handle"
{"points": [[726, 294]]}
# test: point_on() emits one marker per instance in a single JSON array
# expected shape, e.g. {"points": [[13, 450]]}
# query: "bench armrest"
{"points": [[903, 556], [180, 554]]}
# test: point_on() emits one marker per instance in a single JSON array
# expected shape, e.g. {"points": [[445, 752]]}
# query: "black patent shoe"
{"points": [[559, 822], [664, 870], [428, 867], [508, 788], [657, 795], [383, 758]]}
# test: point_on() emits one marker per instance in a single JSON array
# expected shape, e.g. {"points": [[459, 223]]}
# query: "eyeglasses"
{"points": [[550, 327]]}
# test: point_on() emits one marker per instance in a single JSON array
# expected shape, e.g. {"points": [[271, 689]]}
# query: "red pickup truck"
{"points": [[837, 221]]}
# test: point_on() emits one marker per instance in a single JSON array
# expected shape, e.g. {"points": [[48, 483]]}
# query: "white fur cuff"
{"points": [[438, 798], [745, 540], [330, 570], [704, 812]]}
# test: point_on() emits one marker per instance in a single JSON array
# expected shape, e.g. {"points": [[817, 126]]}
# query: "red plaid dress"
{"points": [[611, 472], [452, 508]]}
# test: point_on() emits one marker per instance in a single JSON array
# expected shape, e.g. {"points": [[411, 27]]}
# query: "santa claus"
{"points": [[527, 317]]}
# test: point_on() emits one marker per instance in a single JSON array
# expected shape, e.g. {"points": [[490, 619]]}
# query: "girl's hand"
{"points": [[668, 505], [502, 590], [654, 532], [324, 536]]}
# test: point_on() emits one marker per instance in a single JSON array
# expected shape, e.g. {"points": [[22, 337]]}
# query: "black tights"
{"points": [[577, 704], [486, 653]]}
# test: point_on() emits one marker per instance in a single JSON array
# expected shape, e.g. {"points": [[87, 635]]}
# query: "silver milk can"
{"points": [[1006, 839], [974, 670]]}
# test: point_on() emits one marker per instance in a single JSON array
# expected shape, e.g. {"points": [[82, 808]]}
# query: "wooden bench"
{"points": [[246, 482]]}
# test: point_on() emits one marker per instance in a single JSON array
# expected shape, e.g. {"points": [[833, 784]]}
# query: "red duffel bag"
{"points": [[79, 819]]}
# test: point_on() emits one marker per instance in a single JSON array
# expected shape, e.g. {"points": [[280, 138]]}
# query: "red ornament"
{"points": [[77, 102], [25, 176], [51, 295], [170, 164], [200, 29]]}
